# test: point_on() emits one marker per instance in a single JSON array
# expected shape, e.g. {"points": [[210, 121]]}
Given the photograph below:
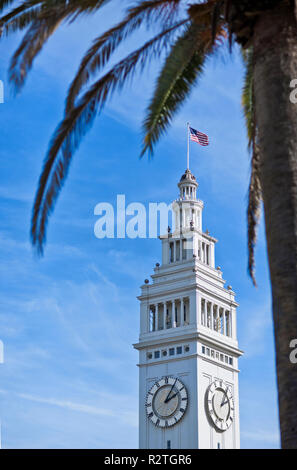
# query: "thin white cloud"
{"points": [[80, 407], [128, 416], [53, 249], [19, 195]]}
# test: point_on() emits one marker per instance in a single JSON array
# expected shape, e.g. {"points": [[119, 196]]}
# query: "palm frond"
{"points": [[76, 123], [201, 13], [209, 14], [4, 4], [254, 191], [28, 11], [179, 74], [30, 46], [103, 46], [253, 211], [216, 18], [19, 17], [247, 95], [43, 18]]}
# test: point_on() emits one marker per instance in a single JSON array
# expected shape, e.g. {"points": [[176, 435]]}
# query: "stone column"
{"points": [[164, 315], [216, 310], [231, 322], [157, 316], [212, 255], [226, 323], [208, 314], [149, 319], [182, 311], [173, 322], [202, 312], [212, 316], [229, 330]]}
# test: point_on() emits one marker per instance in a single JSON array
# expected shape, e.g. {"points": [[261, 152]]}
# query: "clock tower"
{"points": [[188, 350]]}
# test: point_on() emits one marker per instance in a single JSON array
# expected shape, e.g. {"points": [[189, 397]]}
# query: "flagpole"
{"points": [[188, 146]]}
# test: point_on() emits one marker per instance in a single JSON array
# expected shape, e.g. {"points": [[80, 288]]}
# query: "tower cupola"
{"points": [[188, 186]]}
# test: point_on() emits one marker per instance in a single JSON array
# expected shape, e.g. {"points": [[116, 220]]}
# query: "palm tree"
{"points": [[190, 33]]}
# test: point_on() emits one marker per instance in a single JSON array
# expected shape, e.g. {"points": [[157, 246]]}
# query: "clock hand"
{"points": [[222, 404], [166, 399]]}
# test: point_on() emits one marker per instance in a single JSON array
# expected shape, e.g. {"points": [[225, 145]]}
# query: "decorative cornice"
{"points": [[191, 336], [153, 291], [178, 232], [190, 356]]}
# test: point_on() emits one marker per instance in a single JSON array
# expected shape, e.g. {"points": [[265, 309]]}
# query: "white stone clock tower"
{"points": [[188, 350]]}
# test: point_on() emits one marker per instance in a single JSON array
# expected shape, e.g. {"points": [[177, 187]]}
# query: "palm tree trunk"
{"points": [[275, 55]]}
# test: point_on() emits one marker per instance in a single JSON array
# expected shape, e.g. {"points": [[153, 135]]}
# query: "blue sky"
{"points": [[68, 320]]}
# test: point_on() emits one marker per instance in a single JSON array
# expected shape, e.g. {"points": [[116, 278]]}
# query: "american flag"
{"points": [[199, 137]]}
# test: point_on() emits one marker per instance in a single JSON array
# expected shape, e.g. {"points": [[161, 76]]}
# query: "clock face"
{"points": [[220, 405], [166, 402]]}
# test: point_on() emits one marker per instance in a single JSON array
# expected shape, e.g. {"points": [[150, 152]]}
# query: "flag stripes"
{"points": [[199, 137]]}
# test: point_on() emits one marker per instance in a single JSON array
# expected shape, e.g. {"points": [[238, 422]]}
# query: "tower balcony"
{"points": [[169, 314]]}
